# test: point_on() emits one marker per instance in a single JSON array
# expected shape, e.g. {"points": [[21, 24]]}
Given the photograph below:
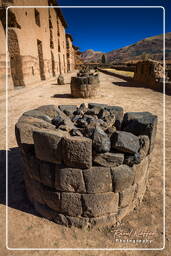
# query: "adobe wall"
{"points": [[70, 54], [29, 32], [3, 62], [149, 72]]}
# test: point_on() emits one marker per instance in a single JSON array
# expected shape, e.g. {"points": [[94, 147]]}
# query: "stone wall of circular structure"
{"points": [[85, 86], [85, 166]]}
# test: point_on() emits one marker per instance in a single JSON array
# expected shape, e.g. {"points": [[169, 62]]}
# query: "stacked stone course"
{"points": [[86, 84], [85, 166]]}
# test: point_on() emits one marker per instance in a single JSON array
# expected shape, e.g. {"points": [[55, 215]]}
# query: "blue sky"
{"points": [[108, 29]]}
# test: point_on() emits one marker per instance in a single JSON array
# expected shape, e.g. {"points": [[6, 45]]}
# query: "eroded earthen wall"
{"points": [[38, 41]]}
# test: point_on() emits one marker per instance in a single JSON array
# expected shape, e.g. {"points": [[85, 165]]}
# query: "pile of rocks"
{"points": [[85, 85], [85, 166]]}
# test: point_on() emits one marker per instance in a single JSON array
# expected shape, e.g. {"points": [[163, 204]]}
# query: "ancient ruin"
{"points": [[38, 46], [86, 84], [85, 166], [149, 72]]}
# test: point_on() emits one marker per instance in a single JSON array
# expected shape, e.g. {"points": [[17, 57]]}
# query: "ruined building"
{"points": [[37, 48]]}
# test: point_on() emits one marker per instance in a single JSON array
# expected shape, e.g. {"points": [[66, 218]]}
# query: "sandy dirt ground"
{"points": [[26, 229]]}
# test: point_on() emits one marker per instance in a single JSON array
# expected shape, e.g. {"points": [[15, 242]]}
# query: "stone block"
{"points": [[125, 142], [141, 123], [97, 180], [68, 109], [48, 145], [141, 170], [47, 173], [126, 196], [38, 114], [122, 177], [77, 152], [107, 220], [24, 131], [24, 136], [144, 146], [69, 180], [71, 204], [51, 110], [60, 80], [35, 121], [101, 141], [99, 204], [117, 111], [109, 159], [132, 159]]}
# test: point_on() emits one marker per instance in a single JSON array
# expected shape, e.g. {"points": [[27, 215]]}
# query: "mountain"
{"points": [[151, 47], [91, 55]]}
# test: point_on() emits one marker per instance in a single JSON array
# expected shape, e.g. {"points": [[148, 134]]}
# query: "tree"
{"points": [[103, 59]]}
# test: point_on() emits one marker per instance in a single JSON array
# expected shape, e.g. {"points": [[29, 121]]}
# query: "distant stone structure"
{"points": [[86, 84], [37, 43], [85, 166], [149, 72]]}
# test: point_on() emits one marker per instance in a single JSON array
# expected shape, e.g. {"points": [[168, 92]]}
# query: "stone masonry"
{"points": [[85, 166], [85, 85]]}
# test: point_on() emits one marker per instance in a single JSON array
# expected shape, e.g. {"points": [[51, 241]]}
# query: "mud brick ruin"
{"points": [[85, 166], [86, 84], [149, 72]]}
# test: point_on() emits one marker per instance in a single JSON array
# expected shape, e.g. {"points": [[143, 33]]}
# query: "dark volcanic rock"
{"points": [[75, 132], [144, 146], [97, 179], [141, 123], [123, 177], [110, 131], [109, 159], [125, 142], [68, 109], [101, 142], [38, 114], [57, 121], [77, 152], [130, 160], [60, 80]]}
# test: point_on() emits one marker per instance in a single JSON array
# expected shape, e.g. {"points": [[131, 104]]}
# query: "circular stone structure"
{"points": [[85, 85], [85, 166]]}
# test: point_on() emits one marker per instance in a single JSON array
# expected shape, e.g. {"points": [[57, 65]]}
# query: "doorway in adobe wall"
{"points": [[41, 60], [60, 70], [15, 59], [53, 64]]}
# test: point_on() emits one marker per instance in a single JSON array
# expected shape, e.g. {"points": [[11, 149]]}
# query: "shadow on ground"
{"points": [[63, 96], [59, 84], [17, 197], [134, 84]]}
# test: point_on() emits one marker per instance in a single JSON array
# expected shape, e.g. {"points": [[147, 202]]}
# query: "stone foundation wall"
{"points": [[77, 179]]}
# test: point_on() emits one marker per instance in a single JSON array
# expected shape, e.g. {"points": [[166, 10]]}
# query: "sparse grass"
{"points": [[120, 72]]}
